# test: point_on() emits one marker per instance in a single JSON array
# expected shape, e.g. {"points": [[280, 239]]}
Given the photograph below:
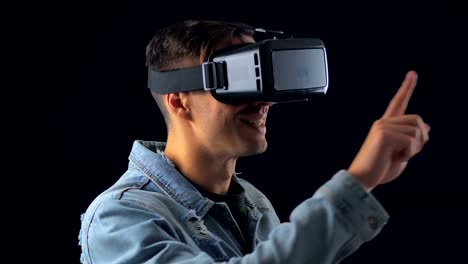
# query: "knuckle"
{"points": [[378, 124], [382, 135], [410, 141], [426, 138], [418, 147], [417, 118], [414, 132], [417, 144]]}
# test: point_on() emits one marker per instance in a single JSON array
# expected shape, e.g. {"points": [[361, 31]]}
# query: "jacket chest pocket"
{"points": [[208, 242], [211, 246]]}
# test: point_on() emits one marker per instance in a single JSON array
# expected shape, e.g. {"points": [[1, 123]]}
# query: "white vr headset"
{"points": [[272, 70]]}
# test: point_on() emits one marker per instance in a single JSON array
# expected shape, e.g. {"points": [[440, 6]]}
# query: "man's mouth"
{"points": [[255, 122]]}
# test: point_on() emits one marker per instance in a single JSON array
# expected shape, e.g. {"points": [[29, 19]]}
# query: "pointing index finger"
{"points": [[400, 101]]}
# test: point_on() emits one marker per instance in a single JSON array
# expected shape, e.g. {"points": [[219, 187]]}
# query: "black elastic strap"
{"points": [[188, 79]]}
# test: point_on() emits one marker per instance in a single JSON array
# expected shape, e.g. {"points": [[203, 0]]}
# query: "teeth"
{"points": [[259, 122]]}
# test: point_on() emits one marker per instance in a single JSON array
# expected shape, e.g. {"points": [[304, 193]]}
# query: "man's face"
{"points": [[232, 130]]}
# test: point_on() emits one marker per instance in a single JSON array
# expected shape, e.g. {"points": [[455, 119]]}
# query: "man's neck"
{"points": [[210, 171]]}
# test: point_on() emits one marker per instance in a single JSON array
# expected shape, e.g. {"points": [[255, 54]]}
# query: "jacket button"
{"points": [[372, 221]]}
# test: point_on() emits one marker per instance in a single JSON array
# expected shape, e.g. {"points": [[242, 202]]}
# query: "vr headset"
{"points": [[272, 70]]}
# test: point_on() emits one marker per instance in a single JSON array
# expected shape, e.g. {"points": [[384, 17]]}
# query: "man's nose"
{"points": [[263, 106], [262, 103]]}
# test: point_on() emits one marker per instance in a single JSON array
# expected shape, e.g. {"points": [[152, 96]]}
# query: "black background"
{"points": [[97, 104]]}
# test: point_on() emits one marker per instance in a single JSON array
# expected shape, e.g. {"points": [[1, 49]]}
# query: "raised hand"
{"points": [[392, 140]]}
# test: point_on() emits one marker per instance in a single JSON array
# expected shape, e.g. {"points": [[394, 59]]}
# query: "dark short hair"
{"points": [[190, 39]]}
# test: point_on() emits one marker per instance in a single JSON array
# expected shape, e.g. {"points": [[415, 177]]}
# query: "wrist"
{"points": [[361, 178]]}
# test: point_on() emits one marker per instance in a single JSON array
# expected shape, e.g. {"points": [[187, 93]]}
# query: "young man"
{"points": [[181, 201]]}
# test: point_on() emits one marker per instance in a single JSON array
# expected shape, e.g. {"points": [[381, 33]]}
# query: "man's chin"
{"points": [[255, 149]]}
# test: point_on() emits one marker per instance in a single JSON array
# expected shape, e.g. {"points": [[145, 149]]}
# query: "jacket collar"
{"points": [[145, 156]]}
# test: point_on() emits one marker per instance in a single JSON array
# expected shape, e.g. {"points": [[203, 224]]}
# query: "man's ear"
{"points": [[178, 104]]}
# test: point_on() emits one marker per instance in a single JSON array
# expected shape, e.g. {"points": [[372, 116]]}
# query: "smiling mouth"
{"points": [[258, 122]]}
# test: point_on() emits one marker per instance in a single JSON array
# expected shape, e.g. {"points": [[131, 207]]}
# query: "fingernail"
{"points": [[412, 72], [428, 127]]}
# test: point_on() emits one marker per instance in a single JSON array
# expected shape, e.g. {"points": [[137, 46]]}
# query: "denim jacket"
{"points": [[152, 214]]}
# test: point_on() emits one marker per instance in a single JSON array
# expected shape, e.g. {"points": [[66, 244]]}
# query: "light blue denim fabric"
{"points": [[152, 214]]}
